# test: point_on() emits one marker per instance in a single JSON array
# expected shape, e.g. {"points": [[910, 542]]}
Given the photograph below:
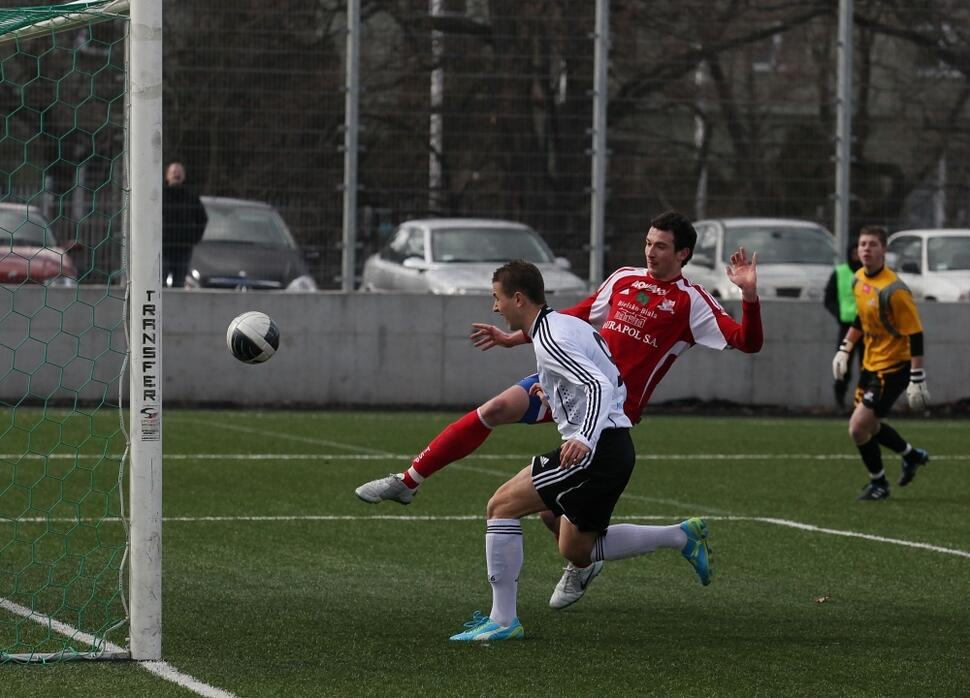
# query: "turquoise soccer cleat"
{"points": [[697, 552], [484, 629]]}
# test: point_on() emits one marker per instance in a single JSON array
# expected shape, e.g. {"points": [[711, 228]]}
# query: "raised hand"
{"points": [[743, 273]]}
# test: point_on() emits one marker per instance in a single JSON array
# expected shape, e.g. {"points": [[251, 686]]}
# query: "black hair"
{"points": [[683, 231]]}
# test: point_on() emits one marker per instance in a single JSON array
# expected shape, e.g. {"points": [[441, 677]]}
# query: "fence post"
{"points": [[351, 104], [597, 209], [843, 128]]}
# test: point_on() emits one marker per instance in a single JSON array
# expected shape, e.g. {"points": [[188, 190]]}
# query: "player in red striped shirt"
{"points": [[648, 317]]}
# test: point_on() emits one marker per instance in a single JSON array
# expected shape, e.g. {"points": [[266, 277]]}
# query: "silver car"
{"points": [[795, 257], [935, 264], [459, 255]]}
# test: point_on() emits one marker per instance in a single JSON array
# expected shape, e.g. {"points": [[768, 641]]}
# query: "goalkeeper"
{"points": [[892, 363]]}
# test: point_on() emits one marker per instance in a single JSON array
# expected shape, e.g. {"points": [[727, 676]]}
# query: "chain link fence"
{"points": [[484, 108]]}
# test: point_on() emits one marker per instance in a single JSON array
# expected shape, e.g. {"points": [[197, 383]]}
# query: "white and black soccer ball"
{"points": [[253, 337]]}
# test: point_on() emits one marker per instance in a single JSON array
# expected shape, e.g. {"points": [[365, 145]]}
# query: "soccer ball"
{"points": [[253, 337]]}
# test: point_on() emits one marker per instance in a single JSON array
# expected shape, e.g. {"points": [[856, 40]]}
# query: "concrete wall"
{"points": [[397, 350]]}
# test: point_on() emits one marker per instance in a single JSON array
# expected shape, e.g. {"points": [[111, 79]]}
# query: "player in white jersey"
{"points": [[647, 315], [580, 480]]}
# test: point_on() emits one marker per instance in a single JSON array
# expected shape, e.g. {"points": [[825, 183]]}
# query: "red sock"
{"points": [[454, 443]]}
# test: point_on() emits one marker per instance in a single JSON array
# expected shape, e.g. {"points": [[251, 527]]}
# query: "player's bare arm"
{"points": [[743, 273], [485, 336]]}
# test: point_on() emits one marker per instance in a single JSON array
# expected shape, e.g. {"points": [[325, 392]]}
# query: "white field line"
{"points": [[478, 517], [291, 437], [163, 670]]}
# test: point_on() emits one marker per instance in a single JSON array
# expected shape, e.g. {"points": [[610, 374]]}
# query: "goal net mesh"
{"points": [[63, 336]]}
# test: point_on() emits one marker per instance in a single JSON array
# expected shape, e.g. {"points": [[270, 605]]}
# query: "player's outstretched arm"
{"points": [[486, 336], [743, 273]]}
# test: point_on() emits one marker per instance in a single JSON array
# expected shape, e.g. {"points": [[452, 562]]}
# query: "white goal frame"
{"points": [[144, 123]]}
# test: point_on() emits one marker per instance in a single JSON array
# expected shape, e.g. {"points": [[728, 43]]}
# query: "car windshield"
{"points": [[948, 254], [34, 232], [488, 245], [779, 244], [254, 225]]}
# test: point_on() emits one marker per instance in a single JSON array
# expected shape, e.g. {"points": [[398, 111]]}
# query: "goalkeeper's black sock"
{"points": [[872, 458], [891, 439]]}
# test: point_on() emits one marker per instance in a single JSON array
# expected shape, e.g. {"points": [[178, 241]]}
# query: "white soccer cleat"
{"points": [[573, 584], [391, 488]]}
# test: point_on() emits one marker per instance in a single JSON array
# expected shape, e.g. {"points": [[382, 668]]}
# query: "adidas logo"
{"points": [[543, 460]]}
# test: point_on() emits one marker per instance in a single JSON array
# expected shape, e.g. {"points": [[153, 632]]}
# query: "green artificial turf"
{"points": [[278, 581]]}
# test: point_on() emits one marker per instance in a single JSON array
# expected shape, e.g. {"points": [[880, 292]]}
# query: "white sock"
{"points": [[503, 557], [628, 540]]}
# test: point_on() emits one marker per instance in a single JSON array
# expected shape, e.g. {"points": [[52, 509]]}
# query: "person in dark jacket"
{"points": [[840, 302], [183, 222]]}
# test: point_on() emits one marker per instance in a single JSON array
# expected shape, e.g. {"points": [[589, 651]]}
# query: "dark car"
{"points": [[247, 246], [29, 252]]}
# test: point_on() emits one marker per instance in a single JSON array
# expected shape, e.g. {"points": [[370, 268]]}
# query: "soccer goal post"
{"points": [[80, 331]]}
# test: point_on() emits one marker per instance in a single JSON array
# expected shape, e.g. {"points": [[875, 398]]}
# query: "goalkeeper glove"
{"points": [[840, 364], [917, 394]]}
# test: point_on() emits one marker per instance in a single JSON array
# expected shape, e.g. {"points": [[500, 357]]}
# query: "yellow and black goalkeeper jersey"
{"points": [[888, 316]]}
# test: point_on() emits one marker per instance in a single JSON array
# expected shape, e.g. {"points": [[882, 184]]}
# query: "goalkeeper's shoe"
{"points": [[391, 488], [874, 491], [697, 551], [573, 583], [483, 629], [911, 463]]}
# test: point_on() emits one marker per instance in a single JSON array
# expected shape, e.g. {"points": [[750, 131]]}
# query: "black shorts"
{"points": [[878, 390], [587, 494]]}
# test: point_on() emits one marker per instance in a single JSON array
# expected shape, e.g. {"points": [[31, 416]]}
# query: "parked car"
{"points": [[30, 252], [795, 257], [935, 264], [247, 246], [459, 255]]}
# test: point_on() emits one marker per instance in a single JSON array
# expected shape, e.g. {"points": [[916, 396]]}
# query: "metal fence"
{"points": [[486, 107]]}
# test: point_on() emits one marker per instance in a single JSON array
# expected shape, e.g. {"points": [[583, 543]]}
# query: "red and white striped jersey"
{"points": [[648, 323]]}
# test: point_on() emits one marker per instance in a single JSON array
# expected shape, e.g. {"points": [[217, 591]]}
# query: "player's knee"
{"points": [[504, 409], [859, 431], [498, 506]]}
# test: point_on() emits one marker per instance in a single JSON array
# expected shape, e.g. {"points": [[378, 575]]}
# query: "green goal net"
{"points": [[63, 334]]}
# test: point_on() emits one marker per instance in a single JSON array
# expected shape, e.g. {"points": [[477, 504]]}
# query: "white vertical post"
{"points": [[436, 131], [939, 196], [700, 138], [351, 126], [145, 326], [597, 223], [843, 128]]}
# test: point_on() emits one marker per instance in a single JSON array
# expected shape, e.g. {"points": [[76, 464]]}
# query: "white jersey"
{"points": [[577, 374]]}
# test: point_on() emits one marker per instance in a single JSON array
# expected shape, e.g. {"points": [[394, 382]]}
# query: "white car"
{"points": [[459, 255], [795, 257], [935, 264]]}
